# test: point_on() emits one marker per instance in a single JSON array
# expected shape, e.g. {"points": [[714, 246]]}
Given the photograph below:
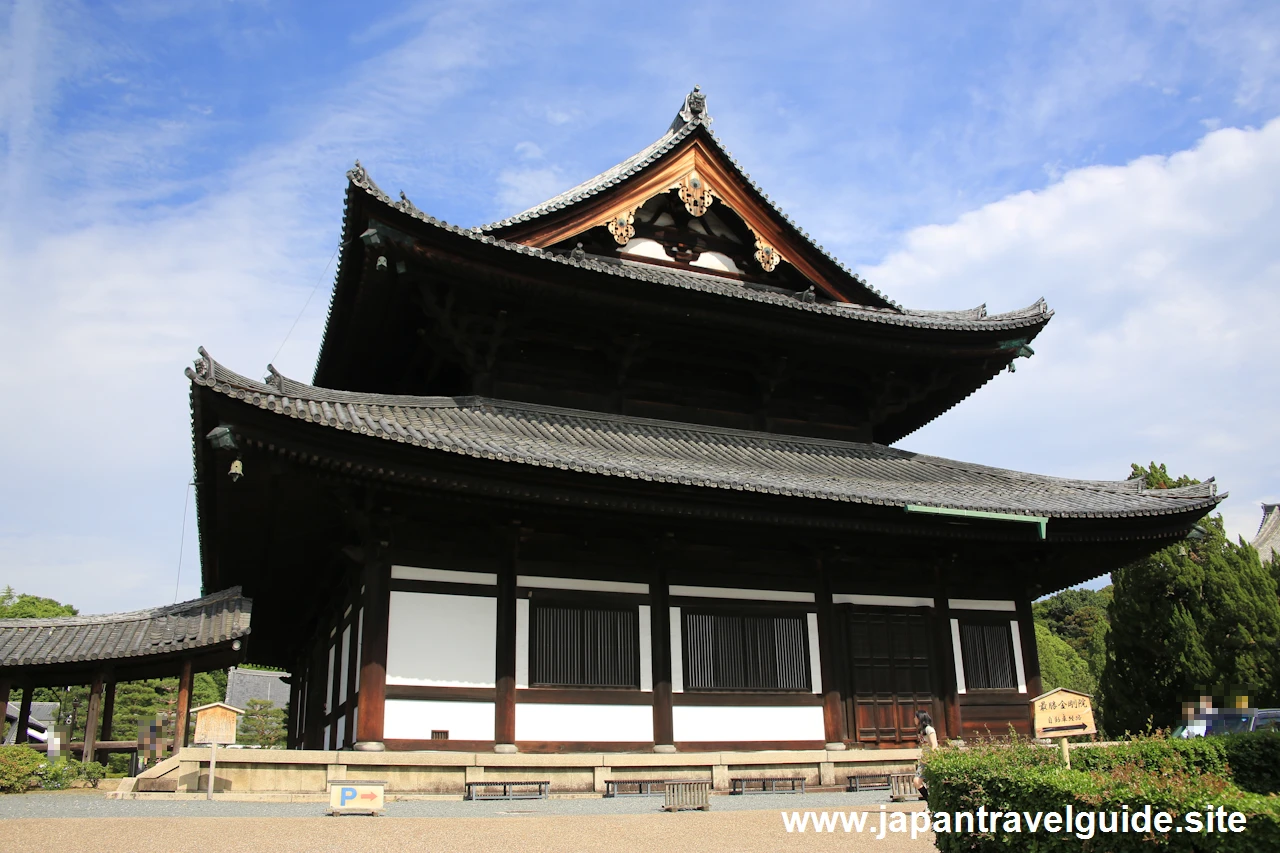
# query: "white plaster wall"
{"points": [[441, 640], [415, 718], [646, 649], [584, 722], [717, 723]]}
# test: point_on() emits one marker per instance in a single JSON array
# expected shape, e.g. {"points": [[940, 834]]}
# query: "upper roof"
{"points": [[700, 456], [691, 125], [186, 626], [1267, 542], [969, 319]]}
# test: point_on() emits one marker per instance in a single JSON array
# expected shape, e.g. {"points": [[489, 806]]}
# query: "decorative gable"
{"points": [[684, 201]]}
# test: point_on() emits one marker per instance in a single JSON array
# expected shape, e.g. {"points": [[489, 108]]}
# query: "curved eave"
{"points": [[492, 430], [1025, 323]]}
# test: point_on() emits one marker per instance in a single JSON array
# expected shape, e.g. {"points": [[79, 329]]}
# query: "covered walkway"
{"points": [[181, 639]]}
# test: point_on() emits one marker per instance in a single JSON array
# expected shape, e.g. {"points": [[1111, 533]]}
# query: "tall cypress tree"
{"points": [[1199, 616]]}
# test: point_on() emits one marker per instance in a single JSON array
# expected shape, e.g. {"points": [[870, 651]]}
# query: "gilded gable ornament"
{"points": [[695, 194], [623, 227], [767, 256]]}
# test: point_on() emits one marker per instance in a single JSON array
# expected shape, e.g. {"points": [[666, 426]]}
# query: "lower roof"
{"points": [[188, 626], [694, 455]]}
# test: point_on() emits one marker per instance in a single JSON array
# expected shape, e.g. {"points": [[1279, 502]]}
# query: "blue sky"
{"points": [[173, 176]]}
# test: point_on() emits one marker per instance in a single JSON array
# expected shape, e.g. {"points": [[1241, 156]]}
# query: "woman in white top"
{"points": [[928, 738]]}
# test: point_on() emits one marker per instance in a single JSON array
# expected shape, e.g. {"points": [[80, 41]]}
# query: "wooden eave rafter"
{"points": [[696, 156]]}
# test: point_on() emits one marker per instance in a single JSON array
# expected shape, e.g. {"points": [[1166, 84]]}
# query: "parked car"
{"points": [[1232, 721]]}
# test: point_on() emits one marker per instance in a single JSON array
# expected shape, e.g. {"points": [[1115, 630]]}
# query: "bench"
{"points": [[869, 782], [769, 785], [643, 787], [507, 790]]}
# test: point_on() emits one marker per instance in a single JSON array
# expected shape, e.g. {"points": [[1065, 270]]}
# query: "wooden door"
{"points": [[888, 673]]}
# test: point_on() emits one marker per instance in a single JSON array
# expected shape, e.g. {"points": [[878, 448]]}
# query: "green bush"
{"points": [[1254, 760], [18, 768], [92, 772], [58, 775], [1166, 775]]}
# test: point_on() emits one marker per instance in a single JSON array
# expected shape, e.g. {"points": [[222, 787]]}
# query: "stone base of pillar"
{"points": [[836, 747], [664, 748], [370, 746], [505, 748]]}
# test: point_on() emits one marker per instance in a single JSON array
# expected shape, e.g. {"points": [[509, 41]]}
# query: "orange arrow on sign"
{"points": [[369, 796]]}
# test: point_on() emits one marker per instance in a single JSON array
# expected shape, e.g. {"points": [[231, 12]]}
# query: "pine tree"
{"points": [[262, 724], [1061, 665]]}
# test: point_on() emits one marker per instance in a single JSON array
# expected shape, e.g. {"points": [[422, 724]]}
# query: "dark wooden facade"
{"points": [[649, 490]]}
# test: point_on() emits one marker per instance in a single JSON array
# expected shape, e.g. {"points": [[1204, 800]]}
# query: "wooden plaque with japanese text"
{"points": [[1062, 713]]}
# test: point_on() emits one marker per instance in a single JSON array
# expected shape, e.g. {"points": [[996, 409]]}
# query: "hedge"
{"points": [[1178, 777]]}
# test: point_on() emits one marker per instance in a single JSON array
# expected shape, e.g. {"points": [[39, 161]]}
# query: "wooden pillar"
{"points": [[108, 709], [660, 647], [829, 659], [6, 685], [93, 718], [373, 656], [504, 717], [1030, 651], [292, 718], [317, 686], [185, 678], [24, 713], [945, 654]]}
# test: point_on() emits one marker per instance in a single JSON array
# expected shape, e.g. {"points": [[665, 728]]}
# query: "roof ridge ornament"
{"points": [[693, 109]]}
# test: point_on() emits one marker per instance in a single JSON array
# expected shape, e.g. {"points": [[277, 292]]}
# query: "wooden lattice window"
{"points": [[584, 645], [439, 734], [987, 651], [728, 651]]}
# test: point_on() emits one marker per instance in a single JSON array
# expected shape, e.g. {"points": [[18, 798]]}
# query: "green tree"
{"points": [[263, 724], [15, 606], [1061, 665], [1198, 616]]}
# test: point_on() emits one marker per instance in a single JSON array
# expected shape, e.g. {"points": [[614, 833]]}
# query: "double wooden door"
{"points": [[888, 672]]}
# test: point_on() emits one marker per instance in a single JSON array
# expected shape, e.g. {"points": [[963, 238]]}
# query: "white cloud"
{"points": [[519, 189], [1165, 275]]}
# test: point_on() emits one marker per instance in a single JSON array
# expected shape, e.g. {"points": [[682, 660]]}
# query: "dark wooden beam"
{"points": [[829, 662], [108, 708], [1030, 650], [946, 691], [316, 683], [93, 717], [185, 677], [372, 701], [660, 648], [6, 685], [504, 718], [24, 713]]}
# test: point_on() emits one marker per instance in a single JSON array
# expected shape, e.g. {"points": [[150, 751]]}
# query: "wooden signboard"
{"points": [[216, 723], [1062, 713], [356, 796]]}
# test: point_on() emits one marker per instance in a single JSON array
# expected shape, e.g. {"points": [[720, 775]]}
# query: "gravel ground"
{"points": [[562, 826], [85, 804]]}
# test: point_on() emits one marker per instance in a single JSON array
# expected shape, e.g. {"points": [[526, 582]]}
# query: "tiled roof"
{"points": [[246, 684], [709, 457], [972, 319], [1267, 542], [687, 122], [208, 621]]}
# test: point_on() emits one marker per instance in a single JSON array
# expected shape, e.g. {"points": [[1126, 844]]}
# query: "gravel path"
{"points": [[76, 821]]}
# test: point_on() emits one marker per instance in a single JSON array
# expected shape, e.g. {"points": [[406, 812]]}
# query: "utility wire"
{"points": [[182, 540], [307, 303]]}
